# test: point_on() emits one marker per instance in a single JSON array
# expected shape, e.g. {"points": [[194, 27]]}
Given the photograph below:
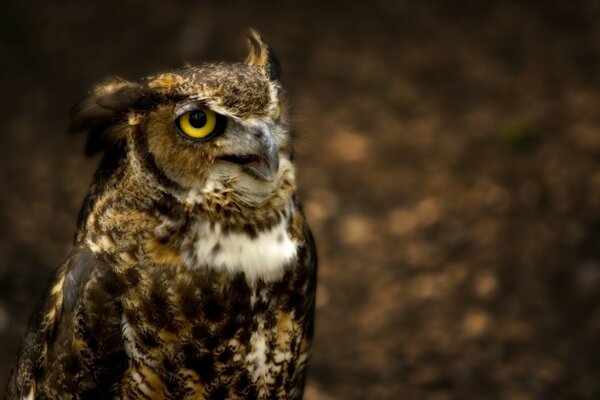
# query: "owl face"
{"points": [[201, 130], [224, 123]]}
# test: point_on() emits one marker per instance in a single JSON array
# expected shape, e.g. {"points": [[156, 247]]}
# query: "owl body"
{"points": [[193, 270]]}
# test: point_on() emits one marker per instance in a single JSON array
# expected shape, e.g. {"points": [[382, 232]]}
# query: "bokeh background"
{"points": [[449, 165]]}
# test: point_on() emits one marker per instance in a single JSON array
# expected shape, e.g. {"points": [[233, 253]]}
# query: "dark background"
{"points": [[449, 164]]}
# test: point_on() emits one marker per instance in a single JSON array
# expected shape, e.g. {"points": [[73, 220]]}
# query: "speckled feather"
{"points": [[189, 278]]}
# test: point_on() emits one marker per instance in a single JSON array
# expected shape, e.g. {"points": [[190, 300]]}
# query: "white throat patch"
{"points": [[262, 257]]}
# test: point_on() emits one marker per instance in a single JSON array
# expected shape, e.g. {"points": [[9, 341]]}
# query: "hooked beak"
{"points": [[263, 162], [266, 165]]}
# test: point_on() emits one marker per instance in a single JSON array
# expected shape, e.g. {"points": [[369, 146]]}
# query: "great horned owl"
{"points": [[193, 271]]}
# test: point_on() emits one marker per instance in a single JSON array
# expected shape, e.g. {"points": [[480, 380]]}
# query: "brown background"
{"points": [[449, 163]]}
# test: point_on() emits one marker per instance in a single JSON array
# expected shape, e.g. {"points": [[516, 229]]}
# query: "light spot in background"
{"points": [[476, 323], [322, 296], [349, 146], [314, 393], [320, 205], [426, 286], [355, 230], [586, 135], [485, 285], [403, 221]]}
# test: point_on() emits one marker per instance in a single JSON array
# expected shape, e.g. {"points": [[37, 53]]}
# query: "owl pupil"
{"points": [[198, 119]]}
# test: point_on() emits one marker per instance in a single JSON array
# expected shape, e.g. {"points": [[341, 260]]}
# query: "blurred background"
{"points": [[449, 165]]}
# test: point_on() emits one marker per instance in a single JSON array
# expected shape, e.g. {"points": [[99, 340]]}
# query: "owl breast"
{"points": [[258, 254], [206, 333]]}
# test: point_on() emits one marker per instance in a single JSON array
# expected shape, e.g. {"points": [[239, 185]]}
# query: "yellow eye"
{"points": [[197, 124]]}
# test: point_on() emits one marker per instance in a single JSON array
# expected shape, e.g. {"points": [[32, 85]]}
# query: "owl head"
{"points": [[199, 131]]}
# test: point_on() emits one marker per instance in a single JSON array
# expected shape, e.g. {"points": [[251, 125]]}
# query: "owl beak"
{"points": [[266, 163], [263, 161]]}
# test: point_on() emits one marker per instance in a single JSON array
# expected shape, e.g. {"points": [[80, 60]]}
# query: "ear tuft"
{"points": [[103, 109], [261, 56]]}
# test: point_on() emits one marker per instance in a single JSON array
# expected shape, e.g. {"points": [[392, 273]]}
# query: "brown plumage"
{"points": [[193, 271]]}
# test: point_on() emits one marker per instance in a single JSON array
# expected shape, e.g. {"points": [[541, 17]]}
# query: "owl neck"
{"points": [[130, 215]]}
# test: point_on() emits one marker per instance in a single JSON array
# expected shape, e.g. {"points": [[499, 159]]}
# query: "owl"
{"points": [[193, 271]]}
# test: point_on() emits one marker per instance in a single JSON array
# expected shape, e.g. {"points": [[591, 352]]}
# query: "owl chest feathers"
{"points": [[261, 252], [261, 255], [249, 284]]}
